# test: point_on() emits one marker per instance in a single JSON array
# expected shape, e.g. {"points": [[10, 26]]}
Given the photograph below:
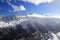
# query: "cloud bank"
{"points": [[37, 2]]}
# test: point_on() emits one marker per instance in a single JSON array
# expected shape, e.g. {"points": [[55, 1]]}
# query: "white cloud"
{"points": [[36, 2], [17, 8], [36, 15]]}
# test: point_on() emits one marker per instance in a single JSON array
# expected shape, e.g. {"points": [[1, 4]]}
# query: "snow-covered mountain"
{"points": [[34, 23], [33, 19]]}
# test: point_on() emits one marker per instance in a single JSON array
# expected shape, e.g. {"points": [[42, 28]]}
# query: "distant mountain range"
{"points": [[31, 23], [36, 20]]}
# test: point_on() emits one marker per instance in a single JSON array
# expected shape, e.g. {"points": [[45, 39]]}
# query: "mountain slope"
{"points": [[51, 23], [30, 25]]}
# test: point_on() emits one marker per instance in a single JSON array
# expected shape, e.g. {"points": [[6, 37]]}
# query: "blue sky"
{"points": [[45, 7]]}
